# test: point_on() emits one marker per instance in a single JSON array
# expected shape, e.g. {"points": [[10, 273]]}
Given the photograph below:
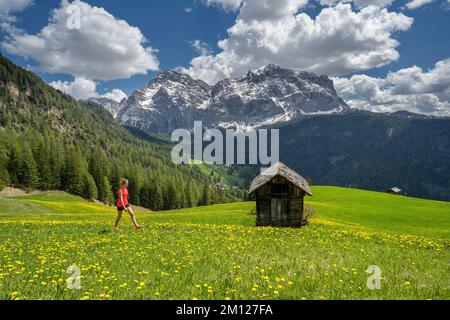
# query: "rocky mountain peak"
{"points": [[177, 77], [264, 96]]}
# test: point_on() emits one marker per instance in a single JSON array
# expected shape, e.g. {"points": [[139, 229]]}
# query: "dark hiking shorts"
{"points": [[122, 208]]}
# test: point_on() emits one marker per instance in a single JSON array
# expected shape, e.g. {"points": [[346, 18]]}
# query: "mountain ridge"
{"points": [[263, 96]]}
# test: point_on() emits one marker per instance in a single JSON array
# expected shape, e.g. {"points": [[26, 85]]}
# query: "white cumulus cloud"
{"points": [[103, 48], [337, 41], [116, 94], [411, 89], [225, 4], [201, 47], [359, 3], [10, 6], [83, 89], [414, 4]]}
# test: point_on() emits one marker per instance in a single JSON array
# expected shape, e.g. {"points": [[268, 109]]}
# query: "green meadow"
{"points": [[216, 252]]}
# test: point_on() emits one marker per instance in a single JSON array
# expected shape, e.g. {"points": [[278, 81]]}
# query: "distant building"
{"points": [[394, 190], [279, 197], [222, 186]]}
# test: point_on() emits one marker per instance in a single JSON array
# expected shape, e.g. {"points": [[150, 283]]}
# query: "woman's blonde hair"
{"points": [[123, 182]]}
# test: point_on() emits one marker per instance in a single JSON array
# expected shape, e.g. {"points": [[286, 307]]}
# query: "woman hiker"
{"points": [[122, 204]]}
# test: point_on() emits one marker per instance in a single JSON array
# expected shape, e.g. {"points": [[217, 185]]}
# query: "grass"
{"points": [[382, 211], [216, 252]]}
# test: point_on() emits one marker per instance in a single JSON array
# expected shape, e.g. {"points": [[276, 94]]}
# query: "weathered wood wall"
{"points": [[268, 205]]}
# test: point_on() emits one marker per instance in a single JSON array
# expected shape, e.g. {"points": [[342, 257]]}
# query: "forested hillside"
{"points": [[372, 151], [48, 140]]}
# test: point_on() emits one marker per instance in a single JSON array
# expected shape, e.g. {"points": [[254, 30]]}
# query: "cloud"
{"points": [[226, 4], [116, 95], [414, 4], [103, 48], [257, 10], [359, 3], [10, 6], [410, 89], [7, 9], [337, 41], [201, 47], [83, 89]]}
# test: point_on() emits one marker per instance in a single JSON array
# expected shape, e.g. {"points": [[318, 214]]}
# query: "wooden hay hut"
{"points": [[279, 193], [394, 190]]}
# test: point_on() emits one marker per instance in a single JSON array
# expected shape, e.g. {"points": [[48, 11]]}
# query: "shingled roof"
{"points": [[280, 169]]}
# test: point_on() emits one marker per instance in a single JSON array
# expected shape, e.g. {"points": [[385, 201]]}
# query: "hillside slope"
{"points": [[50, 141], [381, 212]]}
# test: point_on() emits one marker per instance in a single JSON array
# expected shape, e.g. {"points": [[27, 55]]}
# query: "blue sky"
{"points": [[166, 25], [371, 55]]}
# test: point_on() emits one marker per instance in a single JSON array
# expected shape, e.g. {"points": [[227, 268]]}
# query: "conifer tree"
{"points": [[4, 175], [15, 164], [182, 197], [114, 178], [146, 196], [171, 197], [90, 189], [107, 194], [205, 200], [28, 173], [189, 194], [56, 160], [73, 181], [45, 169], [98, 167], [134, 185], [157, 198]]}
